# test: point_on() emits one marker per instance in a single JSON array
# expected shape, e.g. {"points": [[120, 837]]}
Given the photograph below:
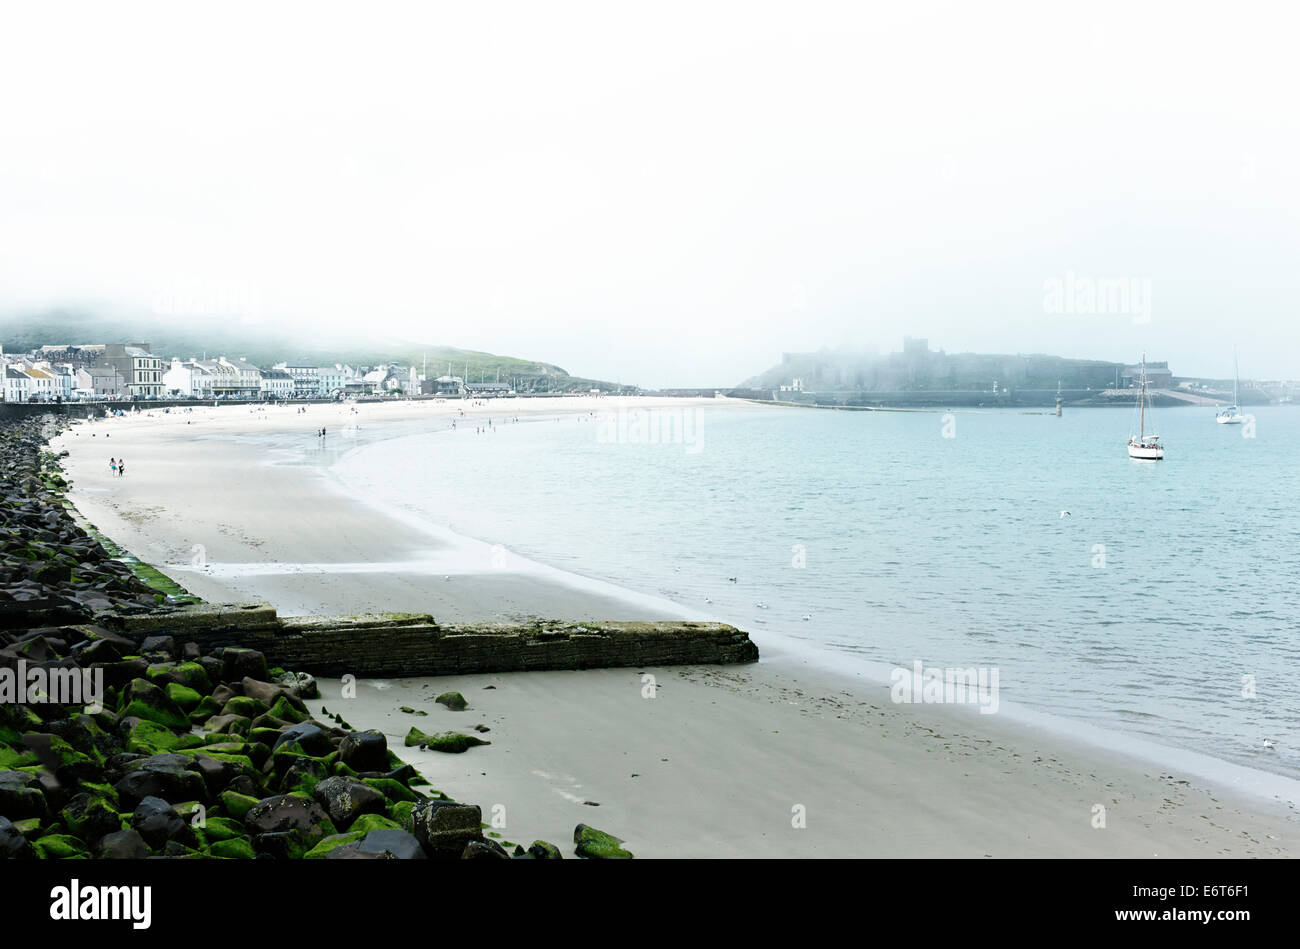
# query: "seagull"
{"points": [[807, 616], [732, 579], [761, 605], [1064, 514], [1268, 743]]}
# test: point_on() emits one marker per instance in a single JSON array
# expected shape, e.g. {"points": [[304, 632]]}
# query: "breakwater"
{"points": [[414, 644]]}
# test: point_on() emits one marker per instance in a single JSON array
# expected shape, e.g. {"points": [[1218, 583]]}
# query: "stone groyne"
{"points": [[414, 644]]}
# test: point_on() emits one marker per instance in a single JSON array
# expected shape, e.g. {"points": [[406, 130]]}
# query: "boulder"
{"points": [[90, 816], [168, 776], [453, 700], [145, 700], [593, 844], [541, 850], [288, 812], [239, 663], [13, 845], [158, 645], [157, 822], [20, 796], [453, 743], [122, 845], [301, 684], [345, 799], [445, 828], [381, 844], [365, 751]]}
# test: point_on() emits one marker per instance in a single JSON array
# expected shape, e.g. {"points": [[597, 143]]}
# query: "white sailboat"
{"points": [[1232, 414], [1144, 447]]}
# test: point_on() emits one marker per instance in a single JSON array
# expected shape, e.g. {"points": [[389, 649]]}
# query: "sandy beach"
{"points": [[720, 762]]}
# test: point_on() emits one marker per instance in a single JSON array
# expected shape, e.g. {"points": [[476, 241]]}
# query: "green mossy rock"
{"points": [[30, 828], [91, 817], [243, 705], [57, 754], [184, 696], [105, 791], [283, 709], [593, 844], [227, 725], [323, 849], [222, 828], [266, 736], [236, 848], [236, 804], [13, 758], [196, 677], [242, 761], [541, 850], [145, 700], [400, 813], [189, 674], [415, 738], [207, 708], [449, 742], [150, 738], [59, 847], [453, 700], [393, 790], [360, 827], [368, 822]]}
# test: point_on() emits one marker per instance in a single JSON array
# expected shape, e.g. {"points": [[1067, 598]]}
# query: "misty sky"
{"points": [[668, 194]]}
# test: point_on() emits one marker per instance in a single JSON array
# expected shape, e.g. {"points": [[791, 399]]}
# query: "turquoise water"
{"points": [[917, 546]]}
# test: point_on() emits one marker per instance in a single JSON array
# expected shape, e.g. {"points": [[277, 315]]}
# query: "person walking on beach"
{"points": [[112, 465], [121, 467]]}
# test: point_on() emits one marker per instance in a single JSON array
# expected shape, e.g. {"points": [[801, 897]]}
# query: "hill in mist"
{"points": [[263, 344]]}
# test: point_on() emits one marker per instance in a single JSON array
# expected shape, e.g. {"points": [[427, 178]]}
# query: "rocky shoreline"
{"points": [[116, 742]]}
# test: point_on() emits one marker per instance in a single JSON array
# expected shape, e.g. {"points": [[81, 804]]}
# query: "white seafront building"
{"points": [[189, 380], [277, 384], [18, 385]]}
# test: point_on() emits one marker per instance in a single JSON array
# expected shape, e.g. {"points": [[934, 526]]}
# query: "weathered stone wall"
{"points": [[403, 644]]}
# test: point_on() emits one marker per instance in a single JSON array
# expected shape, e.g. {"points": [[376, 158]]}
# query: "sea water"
{"points": [[1162, 605]]}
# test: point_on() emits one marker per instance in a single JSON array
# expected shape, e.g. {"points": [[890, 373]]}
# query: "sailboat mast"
{"points": [[1142, 401], [1236, 377]]}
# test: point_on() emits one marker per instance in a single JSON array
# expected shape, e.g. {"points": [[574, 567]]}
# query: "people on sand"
{"points": [[121, 467], [112, 465]]}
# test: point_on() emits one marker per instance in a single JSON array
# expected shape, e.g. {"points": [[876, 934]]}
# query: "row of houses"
{"points": [[68, 373], [131, 371]]}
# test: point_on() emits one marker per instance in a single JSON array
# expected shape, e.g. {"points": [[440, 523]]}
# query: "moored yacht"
{"points": [[1144, 447], [1232, 414]]}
